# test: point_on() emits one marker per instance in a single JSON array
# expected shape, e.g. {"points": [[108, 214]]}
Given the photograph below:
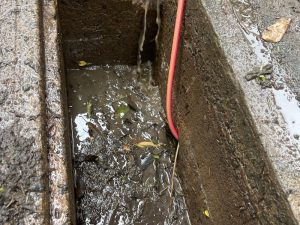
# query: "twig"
{"points": [[174, 168]]}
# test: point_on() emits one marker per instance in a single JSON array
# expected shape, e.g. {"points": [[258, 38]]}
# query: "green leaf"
{"points": [[121, 111], [89, 109], [2, 189], [262, 78], [83, 63]]}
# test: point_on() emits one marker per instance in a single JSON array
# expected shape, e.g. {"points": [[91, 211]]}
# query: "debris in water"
{"points": [[126, 148], [93, 130], [263, 76], [206, 213], [156, 156], [145, 144], [132, 104], [83, 63], [263, 70], [112, 174], [121, 111], [89, 109], [275, 32], [2, 189]]}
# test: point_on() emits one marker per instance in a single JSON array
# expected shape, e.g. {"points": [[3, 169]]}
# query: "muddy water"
{"points": [[112, 109]]}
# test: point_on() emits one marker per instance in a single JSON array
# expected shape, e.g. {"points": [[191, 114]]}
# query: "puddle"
{"points": [[113, 108]]}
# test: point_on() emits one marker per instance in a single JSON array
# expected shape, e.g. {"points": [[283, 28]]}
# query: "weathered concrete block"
{"points": [[23, 153]]}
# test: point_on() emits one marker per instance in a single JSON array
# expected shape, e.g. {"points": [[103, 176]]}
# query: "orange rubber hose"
{"points": [[176, 38]]}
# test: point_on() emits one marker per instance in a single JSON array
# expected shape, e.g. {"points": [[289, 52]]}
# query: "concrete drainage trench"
{"points": [[116, 57], [121, 146]]}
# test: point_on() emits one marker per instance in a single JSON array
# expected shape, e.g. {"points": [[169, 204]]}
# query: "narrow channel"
{"points": [[122, 147], [122, 152]]}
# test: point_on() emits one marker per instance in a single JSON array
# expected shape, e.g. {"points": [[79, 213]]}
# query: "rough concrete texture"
{"points": [[89, 27], [275, 112], [234, 133], [33, 134], [62, 209], [23, 155]]}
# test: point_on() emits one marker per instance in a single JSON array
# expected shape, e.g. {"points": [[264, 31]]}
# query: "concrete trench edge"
{"points": [[276, 139], [61, 195]]}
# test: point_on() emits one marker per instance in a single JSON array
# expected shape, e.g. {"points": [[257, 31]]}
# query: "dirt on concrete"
{"points": [[23, 156], [222, 162], [107, 31]]}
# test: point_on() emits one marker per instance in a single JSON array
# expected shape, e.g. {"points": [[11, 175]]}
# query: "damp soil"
{"points": [[112, 109]]}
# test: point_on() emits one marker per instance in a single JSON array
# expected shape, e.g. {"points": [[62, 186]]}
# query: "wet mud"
{"points": [[122, 149]]}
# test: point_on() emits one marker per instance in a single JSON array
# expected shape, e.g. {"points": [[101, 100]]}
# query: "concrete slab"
{"points": [[36, 180], [23, 154]]}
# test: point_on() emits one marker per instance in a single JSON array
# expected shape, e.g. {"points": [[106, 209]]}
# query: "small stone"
{"points": [[26, 87], [278, 86]]}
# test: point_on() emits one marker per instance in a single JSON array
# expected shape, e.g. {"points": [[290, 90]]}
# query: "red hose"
{"points": [[176, 38]]}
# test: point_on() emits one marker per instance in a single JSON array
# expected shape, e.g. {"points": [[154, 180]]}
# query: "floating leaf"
{"points": [[83, 63], [275, 32], [206, 213], [2, 189], [89, 109], [156, 156], [121, 111], [126, 148], [145, 144]]}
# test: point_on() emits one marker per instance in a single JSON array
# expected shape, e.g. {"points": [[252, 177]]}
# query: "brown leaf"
{"points": [[145, 144], [275, 32], [126, 148]]}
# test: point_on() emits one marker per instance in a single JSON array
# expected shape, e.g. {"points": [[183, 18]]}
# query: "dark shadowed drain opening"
{"points": [[121, 146]]}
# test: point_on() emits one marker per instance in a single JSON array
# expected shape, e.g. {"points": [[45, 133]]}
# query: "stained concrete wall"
{"points": [[106, 32], [237, 147]]}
